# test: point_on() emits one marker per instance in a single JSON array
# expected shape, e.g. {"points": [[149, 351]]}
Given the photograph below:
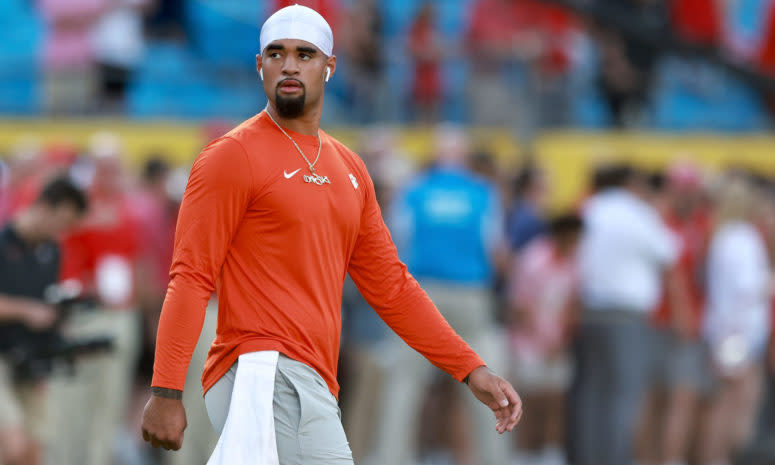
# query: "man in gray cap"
{"points": [[275, 213]]}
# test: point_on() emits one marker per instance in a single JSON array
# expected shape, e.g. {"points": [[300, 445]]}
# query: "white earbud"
{"points": [[261, 73], [328, 72]]}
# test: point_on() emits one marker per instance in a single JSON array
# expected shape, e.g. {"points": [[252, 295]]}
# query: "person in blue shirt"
{"points": [[447, 224], [524, 221]]}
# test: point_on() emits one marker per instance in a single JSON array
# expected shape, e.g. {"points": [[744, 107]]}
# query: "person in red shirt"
{"points": [[102, 256], [766, 58], [275, 214], [425, 47], [680, 375], [155, 213], [697, 21]]}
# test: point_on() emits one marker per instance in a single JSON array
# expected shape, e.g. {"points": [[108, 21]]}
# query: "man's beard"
{"points": [[290, 107]]}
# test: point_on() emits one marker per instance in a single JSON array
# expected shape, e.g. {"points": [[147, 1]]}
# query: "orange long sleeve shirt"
{"points": [[277, 249]]}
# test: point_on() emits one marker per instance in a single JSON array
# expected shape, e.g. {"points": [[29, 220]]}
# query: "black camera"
{"points": [[35, 355]]}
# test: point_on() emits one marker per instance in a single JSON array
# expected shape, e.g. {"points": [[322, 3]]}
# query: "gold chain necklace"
{"points": [[311, 165]]}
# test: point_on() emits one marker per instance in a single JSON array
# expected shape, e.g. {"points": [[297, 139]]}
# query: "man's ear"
{"points": [[258, 66], [330, 66]]}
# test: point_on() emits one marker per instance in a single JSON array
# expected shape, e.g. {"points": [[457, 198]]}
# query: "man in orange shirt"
{"points": [[275, 214]]}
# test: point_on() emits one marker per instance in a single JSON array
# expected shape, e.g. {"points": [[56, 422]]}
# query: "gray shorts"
{"points": [[271, 410], [679, 362]]}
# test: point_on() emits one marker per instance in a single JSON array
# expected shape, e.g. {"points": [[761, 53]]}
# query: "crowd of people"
{"points": [[526, 64], [636, 325], [115, 263]]}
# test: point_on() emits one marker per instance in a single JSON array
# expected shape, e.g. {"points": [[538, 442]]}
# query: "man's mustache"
{"points": [[295, 81]]}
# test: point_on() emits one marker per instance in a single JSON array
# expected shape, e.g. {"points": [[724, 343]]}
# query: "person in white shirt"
{"points": [[737, 323], [119, 45], [624, 253]]}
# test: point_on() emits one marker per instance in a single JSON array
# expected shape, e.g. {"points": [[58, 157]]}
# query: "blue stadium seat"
{"points": [[698, 96], [20, 38], [225, 32], [397, 16], [174, 83], [20, 95], [589, 110], [745, 19]]}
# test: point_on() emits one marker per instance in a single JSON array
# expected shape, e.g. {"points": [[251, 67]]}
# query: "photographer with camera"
{"points": [[29, 265]]}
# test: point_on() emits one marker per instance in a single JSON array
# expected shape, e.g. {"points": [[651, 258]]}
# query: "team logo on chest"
{"points": [[316, 179]]}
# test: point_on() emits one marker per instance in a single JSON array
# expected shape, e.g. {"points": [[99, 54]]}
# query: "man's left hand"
{"points": [[498, 394]]}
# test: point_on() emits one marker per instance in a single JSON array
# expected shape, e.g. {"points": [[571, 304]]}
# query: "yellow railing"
{"points": [[567, 156]]}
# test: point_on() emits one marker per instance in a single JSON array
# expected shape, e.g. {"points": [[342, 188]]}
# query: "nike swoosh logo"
{"points": [[290, 175]]}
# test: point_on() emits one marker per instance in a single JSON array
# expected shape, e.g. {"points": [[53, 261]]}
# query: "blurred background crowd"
{"points": [[525, 64], [586, 189]]}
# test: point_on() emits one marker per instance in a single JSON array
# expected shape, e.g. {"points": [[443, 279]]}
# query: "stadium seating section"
{"points": [[211, 75]]}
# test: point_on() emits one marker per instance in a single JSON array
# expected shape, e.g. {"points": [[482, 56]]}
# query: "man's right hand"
{"points": [[163, 422], [498, 394], [38, 315]]}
